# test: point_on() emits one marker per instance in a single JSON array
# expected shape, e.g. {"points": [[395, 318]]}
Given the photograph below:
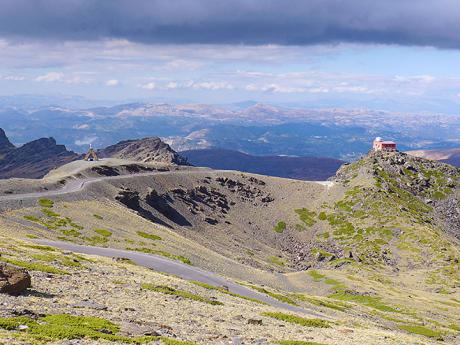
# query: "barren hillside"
{"points": [[375, 251]]}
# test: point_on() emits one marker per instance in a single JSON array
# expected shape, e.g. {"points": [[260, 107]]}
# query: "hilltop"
{"points": [[449, 156], [144, 150]]}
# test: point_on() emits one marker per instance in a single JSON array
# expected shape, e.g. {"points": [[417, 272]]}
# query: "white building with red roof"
{"points": [[383, 145]]}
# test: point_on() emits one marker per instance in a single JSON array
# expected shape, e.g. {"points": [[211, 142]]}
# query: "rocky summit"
{"points": [[34, 159], [5, 144], [144, 150]]}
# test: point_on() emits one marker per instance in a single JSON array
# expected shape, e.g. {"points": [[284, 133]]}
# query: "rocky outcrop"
{"points": [[35, 159], [144, 150], [13, 280], [449, 156], [435, 184], [5, 145]]}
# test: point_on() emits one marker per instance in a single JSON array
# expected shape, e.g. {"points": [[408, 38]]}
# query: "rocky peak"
{"points": [[35, 159], [5, 144], [434, 184], [45, 147], [144, 150]]}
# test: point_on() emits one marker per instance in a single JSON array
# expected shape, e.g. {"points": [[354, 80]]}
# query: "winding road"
{"points": [[151, 261], [80, 184], [162, 264]]}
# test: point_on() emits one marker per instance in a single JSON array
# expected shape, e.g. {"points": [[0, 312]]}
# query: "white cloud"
{"points": [[180, 64], [275, 88], [82, 126], [172, 85], [352, 89], [148, 86], [50, 77], [112, 82], [77, 80], [85, 141], [209, 85], [415, 78], [13, 77], [252, 87], [318, 90]]}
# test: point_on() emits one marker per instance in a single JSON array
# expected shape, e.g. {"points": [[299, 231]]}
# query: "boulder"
{"points": [[13, 280]]}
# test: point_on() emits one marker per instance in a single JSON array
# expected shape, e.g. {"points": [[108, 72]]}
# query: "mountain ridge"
{"points": [[302, 168], [38, 157], [34, 159], [151, 149], [449, 156]]}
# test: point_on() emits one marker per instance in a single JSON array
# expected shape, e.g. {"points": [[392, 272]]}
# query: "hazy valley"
{"points": [[255, 129]]}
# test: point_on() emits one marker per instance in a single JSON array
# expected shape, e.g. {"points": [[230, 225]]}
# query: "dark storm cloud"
{"points": [[287, 22]]}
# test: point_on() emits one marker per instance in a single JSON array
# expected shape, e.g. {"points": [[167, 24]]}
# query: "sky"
{"points": [[401, 55]]}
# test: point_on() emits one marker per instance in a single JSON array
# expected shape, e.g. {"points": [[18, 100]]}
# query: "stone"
{"points": [[89, 305], [254, 321], [13, 280]]}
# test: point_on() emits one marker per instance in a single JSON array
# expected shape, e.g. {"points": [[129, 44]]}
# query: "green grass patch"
{"points": [[66, 327], [340, 306], [454, 327], [31, 218], [71, 232], [277, 296], [48, 257], [46, 203], [149, 236], [39, 247], [317, 277], [50, 213], [96, 240], [280, 227], [277, 260], [319, 323], [32, 236], [306, 216], [34, 266], [70, 261], [322, 215], [162, 253], [421, 330], [182, 293], [103, 232], [369, 301]]}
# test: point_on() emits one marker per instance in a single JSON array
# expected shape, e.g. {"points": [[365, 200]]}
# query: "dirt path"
{"points": [[80, 184], [177, 268]]}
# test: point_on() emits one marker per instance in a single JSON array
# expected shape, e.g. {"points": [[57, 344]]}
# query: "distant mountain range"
{"points": [[35, 159], [258, 129], [302, 168], [450, 156]]}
